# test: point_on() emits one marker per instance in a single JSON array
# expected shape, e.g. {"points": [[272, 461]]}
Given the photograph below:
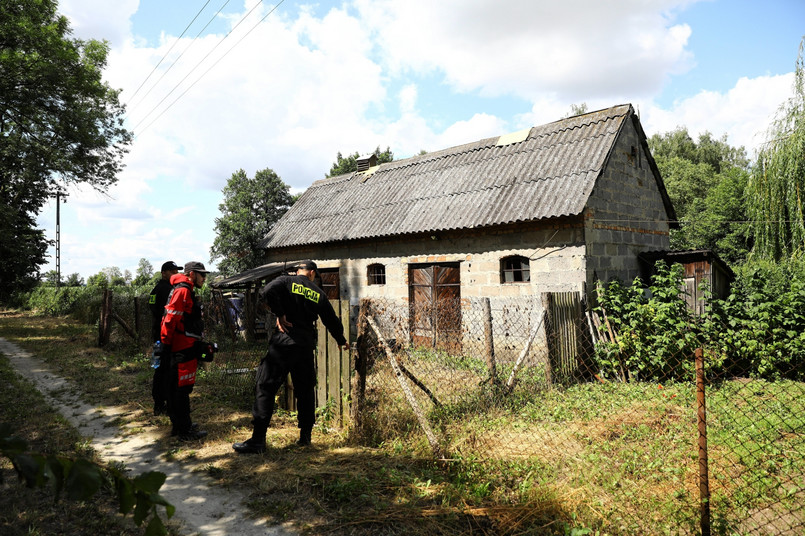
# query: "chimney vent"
{"points": [[366, 161]]}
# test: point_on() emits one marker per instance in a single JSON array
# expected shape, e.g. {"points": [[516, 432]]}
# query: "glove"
{"points": [[208, 351]]}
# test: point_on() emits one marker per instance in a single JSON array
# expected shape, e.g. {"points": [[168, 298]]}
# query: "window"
{"points": [[515, 269], [376, 274]]}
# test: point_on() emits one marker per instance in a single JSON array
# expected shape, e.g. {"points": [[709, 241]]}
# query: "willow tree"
{"points": [[777, 186]]}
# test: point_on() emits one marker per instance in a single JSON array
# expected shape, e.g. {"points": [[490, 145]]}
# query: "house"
{"points": [[552, 208]]}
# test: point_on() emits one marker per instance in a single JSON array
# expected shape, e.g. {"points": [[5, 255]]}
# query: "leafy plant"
{"points": [[80, 479]]}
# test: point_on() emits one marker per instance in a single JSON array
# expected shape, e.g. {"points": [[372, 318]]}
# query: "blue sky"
{"points": [[289, 89]]}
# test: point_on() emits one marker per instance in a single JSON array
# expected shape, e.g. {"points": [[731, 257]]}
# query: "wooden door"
{"points": [[435, 300], [330, 283]]}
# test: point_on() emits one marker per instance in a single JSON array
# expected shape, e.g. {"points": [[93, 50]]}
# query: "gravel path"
{"points": [[201, 508]]}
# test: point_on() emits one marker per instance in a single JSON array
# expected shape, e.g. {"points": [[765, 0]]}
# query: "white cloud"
{"points": [[298, 89], [743, 113], [524, 48]]}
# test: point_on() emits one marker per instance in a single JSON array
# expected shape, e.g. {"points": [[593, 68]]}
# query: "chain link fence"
{"points": [[635, 446], [638, 446]]}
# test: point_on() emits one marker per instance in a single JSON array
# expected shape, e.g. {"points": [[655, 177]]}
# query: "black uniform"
{"points": [[156, 302], [301, 302]]}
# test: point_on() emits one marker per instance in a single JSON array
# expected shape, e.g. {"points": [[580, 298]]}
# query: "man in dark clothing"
{"points": [[156, 302], [297, 303], [182, 328]]}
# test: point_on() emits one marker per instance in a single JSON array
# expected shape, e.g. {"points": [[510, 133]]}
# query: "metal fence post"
{"points": [[704, 479]]}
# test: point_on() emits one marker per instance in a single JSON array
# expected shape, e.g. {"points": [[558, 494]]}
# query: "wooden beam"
{"points": [[420, 415]]}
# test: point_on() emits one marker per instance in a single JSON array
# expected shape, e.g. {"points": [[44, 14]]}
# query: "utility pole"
{"points": [[58, 241]]}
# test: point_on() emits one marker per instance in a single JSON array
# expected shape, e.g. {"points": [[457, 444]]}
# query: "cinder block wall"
{"points": [[625, 214]]}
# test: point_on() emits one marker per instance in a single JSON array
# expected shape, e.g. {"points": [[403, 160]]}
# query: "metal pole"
{"points": [[58, 241], [704, 478]]}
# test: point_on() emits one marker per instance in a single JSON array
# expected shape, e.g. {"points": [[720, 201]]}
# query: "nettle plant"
{"points": [[758, 331], [654, 339]]}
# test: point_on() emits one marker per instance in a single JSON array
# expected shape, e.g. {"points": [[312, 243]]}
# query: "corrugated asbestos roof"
{"points": [[549, 174]]}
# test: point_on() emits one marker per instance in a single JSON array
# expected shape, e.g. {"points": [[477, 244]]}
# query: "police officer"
{"points": [[182, 327], [297, 302], [156, 302]]}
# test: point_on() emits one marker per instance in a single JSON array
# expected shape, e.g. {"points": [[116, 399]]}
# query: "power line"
{"points": [[208, 70], [185, 50], [168, 52]]}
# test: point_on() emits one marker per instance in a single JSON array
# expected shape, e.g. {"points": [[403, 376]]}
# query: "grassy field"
{"points": [[598, 458]]}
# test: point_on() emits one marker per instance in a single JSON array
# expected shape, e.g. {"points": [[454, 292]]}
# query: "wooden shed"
{"points": [[701, 265]]}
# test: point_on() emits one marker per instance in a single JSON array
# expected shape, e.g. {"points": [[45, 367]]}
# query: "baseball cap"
{"points": [[170, 265], [195, 266], [308, 265]]}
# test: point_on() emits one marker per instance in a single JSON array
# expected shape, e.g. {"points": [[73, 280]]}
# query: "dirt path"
{"points": [[201, 508]]}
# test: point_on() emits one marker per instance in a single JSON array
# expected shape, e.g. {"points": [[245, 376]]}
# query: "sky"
{"points": [[215, 86]]}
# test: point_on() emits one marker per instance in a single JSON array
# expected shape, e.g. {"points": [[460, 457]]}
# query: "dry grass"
{"points": [[331, 488]]}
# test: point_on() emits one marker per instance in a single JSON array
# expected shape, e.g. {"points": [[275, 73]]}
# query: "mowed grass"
{"points": [[599, 457]]}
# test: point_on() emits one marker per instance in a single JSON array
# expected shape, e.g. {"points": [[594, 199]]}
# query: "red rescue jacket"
{"points": [[181, 324]]}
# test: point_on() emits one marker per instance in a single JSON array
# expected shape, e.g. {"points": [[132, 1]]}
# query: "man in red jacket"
{"points": [[182, 327]]}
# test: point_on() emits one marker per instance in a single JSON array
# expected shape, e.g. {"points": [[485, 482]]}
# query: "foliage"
{"points": [[80, 479], [705, 180], [652, 326], [145, 273], [74, 280], [765, 319], [59, 122], [349, 163], [778, 178], [111, 276], [759, 330], [250, 209]]}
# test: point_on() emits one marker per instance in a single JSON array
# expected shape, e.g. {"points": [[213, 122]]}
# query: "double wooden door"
{"points": [[435, 301]]}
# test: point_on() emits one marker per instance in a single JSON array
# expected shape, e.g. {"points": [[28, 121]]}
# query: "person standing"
{"points": [[297, 302], [182, 328], [156, 302]]}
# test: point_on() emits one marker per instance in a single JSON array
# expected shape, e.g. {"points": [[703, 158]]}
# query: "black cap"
{"points": [[170, 265], [308, 265], [195, 266]]}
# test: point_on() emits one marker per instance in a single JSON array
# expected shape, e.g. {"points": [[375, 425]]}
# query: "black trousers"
{"points": [[178, 400], [161, 383], [275, 366]]}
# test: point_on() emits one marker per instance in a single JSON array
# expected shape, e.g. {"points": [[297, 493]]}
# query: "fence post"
{"points": [[704, 478], [105, 323], [137, 318], [489, 346], [358, 386]]}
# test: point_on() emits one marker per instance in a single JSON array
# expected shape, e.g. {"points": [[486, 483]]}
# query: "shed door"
{"points": [[435, 298], [330, 283]]}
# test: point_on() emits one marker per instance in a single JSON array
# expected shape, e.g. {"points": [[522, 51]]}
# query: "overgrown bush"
{"points": [[652, 326], [764, 320], [758, 331]]}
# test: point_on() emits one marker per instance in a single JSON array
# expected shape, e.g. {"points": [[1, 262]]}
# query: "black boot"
{"points": [[255, 444], [250, 446], [304, 437]]}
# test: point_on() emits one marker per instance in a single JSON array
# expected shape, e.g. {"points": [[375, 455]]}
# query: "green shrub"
{"points": [[758, 331]]}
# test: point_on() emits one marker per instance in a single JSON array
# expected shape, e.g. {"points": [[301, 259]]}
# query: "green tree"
{"points": [[111, 276], [349, 164], [59, 124], [51, 279], [98, 280], [74, 280], [705, 180], [145, 272], [778, 178], [250, 209]]}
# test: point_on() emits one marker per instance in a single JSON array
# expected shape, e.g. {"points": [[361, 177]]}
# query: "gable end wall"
{"points": [[625, 213]]}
